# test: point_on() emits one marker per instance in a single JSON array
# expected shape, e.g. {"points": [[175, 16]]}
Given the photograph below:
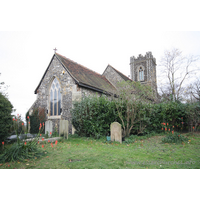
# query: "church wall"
{"points": [[112, 76], [70, 92], [67, 85], [85, 93]]}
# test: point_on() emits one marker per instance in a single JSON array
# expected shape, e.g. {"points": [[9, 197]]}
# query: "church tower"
{"points": [[143, 69]]}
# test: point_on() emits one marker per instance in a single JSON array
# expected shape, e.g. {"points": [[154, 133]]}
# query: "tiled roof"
{"points": [[84, 76]]}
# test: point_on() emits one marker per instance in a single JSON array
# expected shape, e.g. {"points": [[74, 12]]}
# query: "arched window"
{"points": [[141, 74], [55, 98]]}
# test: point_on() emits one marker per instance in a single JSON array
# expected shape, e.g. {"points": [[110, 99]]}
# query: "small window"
{"points": [[141, 74], [55, 98]]}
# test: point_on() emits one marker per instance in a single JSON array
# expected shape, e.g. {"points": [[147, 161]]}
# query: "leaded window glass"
{"points": [[141, 74], [55, 98]]}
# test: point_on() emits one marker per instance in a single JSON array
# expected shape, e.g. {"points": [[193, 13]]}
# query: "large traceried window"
{"points": [[55, 98], [141, 74]]}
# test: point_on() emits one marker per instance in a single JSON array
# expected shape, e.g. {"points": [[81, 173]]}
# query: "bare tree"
{"points": [[177, 69], [1, 83], [3, 88], [195, 89], [131, 95]]}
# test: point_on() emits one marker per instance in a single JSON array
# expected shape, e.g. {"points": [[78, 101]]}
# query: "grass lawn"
{"points": [[88, 153]]}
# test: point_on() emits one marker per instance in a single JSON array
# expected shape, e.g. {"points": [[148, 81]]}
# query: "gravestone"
{"points": [[48, 127], [73, 130], [63, 128], [116, 132]]}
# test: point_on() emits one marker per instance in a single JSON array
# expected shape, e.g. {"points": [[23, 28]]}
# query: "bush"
{"points": [[153, 115], [174, 138], [93, 116], [54, 134], [130, 139], [37, 117], [193, 116], [34, 122], [17, 127], [21, 151], [172, 113], [5, 117], [73, 136]]}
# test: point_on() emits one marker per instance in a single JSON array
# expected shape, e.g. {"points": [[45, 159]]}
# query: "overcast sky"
{"points": [[92, 33]]}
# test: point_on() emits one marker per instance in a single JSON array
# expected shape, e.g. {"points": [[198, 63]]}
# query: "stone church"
{"points": [[66, 81]]}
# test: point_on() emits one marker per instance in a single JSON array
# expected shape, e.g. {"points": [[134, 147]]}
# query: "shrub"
{"points": [[73, 136], [55, 134], [132, 96], [93, 116], [174, 138], [130, 139], [34, 122], [17, 126], [37, 118], [5, 117], [21, 151], [193, 116], [172, 113]]}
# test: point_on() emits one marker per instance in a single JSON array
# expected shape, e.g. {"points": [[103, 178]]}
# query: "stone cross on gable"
{"points": [[55, 50]]}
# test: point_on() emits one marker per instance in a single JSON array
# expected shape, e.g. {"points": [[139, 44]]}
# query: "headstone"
{"points": [[73, 130], [116, 132], [63, 128], [48, 127]]}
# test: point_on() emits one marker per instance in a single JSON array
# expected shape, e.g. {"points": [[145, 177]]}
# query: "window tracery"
{"points": [[55, 98]]}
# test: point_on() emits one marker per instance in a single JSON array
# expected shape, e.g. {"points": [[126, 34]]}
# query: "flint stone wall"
{"points": [[70, 92]]}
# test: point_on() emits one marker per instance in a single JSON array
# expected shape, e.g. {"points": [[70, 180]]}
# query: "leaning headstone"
{"points": [[48, 127], [116, 132], [63, 128]]}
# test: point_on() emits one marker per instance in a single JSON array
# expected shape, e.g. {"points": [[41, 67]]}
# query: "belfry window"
{"points": [[141, 74], [55, 98]]}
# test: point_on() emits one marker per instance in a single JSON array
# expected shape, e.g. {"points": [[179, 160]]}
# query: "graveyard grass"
{"points": [[88, 153]]}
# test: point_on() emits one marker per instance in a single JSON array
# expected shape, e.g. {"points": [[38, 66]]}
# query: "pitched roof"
{"points": [[83, 76]]}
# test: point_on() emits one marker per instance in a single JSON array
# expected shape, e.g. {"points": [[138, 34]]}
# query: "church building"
{"points": [[66, 81]]}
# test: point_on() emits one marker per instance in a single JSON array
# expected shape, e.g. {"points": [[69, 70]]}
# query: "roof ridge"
{"points": [[78, 64], [84, 75]]}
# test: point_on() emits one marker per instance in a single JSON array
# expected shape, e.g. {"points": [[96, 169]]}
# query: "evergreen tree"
{"points": [[5, 117]]}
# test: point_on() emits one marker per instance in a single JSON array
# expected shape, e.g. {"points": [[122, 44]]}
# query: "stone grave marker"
{"points": [[48, 127], [73, 130], [116, 132], [63, 128]]}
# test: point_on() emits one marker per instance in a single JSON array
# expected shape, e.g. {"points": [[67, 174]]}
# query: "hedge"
{"points": [[93, 115]]}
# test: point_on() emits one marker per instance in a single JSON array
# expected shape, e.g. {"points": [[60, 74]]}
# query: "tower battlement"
{"points": [[143, 69]]}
